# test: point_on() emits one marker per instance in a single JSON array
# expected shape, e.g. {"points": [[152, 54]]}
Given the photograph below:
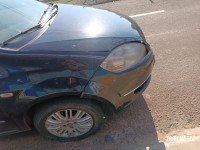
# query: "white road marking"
{"points": [[164, 33], [149, 13]]}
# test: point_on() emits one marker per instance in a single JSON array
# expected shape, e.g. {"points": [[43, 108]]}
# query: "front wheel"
{"points": [[68, 120]]}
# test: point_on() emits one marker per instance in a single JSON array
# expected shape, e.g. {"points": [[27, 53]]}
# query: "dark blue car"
{"points": [[63, 66]]}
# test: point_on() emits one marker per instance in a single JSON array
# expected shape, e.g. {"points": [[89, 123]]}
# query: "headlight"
{"points": [[124, 57]]}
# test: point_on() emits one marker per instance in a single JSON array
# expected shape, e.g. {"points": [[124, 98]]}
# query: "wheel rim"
{"points": [[69, 123]]}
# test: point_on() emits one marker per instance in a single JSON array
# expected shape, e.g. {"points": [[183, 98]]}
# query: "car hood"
{"points": [[78, 28]]}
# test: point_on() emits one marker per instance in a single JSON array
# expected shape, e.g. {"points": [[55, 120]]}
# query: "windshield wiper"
{"points": [[22, 33], [37, 27], [50, 7]]}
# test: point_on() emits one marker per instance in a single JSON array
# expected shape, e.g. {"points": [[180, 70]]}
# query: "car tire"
{"points": [[65, 120]]}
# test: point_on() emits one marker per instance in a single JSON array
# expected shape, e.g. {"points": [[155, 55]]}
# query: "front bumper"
{"points": [[121, 88]]}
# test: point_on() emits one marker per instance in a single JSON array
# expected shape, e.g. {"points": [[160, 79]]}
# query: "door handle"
{"points": [[6, 95]]}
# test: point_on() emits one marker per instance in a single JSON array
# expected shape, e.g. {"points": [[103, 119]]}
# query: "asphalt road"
{"points": [[171, 102]]}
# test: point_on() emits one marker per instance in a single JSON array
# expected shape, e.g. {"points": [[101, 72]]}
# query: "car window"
{"points": [[18, 16]]}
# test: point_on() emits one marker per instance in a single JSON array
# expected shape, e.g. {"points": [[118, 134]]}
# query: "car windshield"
{"points": [[18, 16]]}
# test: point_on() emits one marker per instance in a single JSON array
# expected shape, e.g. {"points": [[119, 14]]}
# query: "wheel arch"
{"points": [[106, 106]]}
